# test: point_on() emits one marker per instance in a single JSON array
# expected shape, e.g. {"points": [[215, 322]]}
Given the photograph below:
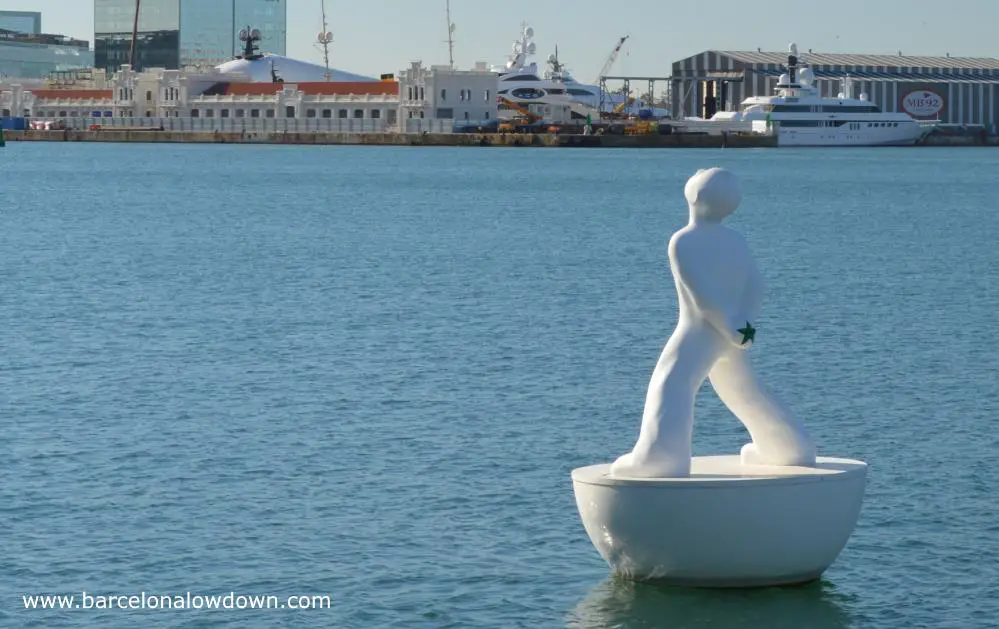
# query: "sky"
{"points": [[383, 36]]}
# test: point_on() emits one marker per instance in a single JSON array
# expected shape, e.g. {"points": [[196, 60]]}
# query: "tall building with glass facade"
{"points": [[174, 34], [36, 56], [29, 22]]}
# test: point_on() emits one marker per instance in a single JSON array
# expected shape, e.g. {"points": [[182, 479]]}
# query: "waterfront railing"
{"points": [[238, 125]]}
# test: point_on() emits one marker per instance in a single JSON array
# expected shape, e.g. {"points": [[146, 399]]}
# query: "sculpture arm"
{"points": [[706, 296], [750, 304]]}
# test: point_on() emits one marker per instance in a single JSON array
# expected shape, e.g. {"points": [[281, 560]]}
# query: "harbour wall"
{"points": [[445, 139], [399, 139]]}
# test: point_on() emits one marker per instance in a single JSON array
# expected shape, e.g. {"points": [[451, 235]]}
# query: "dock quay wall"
{"points": [[398, 139], [446, 139]]}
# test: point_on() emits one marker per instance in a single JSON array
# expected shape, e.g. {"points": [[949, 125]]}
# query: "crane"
{"points": [[611, 58], [135, 36]]}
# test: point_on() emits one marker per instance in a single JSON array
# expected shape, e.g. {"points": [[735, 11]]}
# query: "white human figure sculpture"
{"points": [[720, 292]]}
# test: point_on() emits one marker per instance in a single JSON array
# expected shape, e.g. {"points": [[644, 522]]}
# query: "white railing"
{"points": [[271, 125], [717, 127], [429, 125], [239, 125]]}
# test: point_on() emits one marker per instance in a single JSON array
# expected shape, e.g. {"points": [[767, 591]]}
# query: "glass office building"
{"points": [[24, 56], [176, 33], [158, 40], [29, 22]]}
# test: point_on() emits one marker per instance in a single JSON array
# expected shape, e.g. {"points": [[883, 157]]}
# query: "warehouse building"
{"points": [[954, 90]]}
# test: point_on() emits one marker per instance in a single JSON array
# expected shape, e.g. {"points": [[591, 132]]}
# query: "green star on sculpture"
{"points": [[748, 333]]}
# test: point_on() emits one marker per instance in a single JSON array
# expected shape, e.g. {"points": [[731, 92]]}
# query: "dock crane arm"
{"points": [[611, 58], [523, 111]]}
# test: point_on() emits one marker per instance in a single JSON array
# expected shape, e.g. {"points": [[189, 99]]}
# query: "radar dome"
{"points": [[793, 49], [806, 76], [785, 79], [255, 33], [532, 48], [243, 34], [529, 32]]}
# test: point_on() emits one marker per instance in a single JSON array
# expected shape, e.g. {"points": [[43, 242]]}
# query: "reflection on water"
{"points": [[621, 604]]}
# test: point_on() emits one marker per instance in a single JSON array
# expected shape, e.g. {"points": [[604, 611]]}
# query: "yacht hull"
{"points": [[863, 137]]}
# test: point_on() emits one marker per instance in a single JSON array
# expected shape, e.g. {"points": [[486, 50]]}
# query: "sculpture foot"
{"points": [[630, 466], [804, 457]]}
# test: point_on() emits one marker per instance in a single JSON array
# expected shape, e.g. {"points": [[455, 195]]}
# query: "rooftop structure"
{"points": [[42, 39], [888, 61]]}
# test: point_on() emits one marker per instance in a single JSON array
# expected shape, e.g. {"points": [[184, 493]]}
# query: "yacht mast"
{"points": [[450, 35], [325, 39]]}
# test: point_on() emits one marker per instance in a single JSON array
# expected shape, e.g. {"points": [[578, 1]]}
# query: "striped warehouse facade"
{"points": [[955, 90]]}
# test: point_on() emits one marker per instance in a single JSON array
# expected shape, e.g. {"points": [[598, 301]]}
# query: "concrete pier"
{"points": [[446, 139], [399, 139]]}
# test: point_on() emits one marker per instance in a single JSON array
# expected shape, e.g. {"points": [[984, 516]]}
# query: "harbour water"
{"points": [[367, 372]]}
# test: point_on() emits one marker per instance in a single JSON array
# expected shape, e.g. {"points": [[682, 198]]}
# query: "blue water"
{"points": [[367, 372]]}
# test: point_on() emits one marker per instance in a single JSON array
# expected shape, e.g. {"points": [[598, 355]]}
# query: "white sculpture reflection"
{"points": [[720, 292]]}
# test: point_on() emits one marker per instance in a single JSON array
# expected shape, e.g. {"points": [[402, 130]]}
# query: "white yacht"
{"points": [[806, 118], [522, 82]]}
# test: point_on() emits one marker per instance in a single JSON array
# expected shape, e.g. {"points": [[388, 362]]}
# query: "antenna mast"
{"points": [[325, 39], [450, 35]]}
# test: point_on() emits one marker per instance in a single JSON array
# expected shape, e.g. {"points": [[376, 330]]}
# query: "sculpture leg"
{"points": [[663, 449], [778, 437]]}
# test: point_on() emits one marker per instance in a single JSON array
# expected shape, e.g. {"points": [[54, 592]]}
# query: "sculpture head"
{"points": [[713, 194]]}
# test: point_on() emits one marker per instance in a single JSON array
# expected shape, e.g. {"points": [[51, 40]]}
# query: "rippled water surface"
{"points": [[368, 372]]}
